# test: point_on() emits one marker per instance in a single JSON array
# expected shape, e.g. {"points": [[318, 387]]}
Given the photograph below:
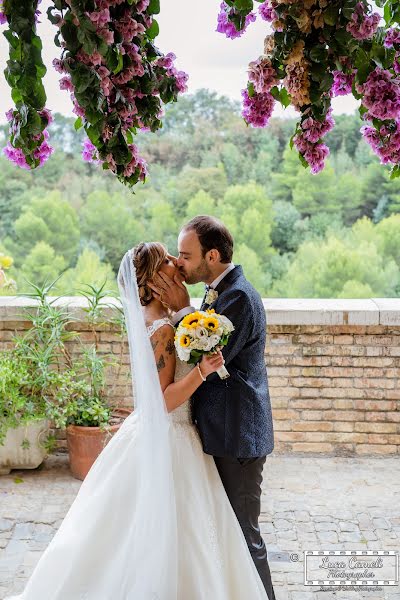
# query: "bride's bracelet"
{"points": [[201, 374]]}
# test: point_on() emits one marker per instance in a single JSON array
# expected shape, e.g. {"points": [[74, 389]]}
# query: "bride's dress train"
{"points": [[96, 553]]}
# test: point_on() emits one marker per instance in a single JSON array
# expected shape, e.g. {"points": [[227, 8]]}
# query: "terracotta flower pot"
{"points": [[86, 443]]}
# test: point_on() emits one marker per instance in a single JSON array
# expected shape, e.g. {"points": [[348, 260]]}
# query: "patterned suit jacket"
{"points": [[234, 416]]}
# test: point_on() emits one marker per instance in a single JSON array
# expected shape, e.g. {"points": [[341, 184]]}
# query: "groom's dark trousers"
{"points": [[242, 478], [233, 416]]}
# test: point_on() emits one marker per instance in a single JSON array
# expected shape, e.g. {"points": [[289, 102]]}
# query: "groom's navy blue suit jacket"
{"points": [[234, 416]]}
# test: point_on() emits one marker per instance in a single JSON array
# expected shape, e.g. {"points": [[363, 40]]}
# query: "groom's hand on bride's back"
{"points": [[169, 291]]}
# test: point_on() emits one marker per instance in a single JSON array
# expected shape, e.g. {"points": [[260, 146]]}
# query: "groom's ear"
{"points": [[214, 256]]}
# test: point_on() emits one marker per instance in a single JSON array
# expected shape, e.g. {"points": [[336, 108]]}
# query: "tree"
{"points": [[312, 194], [201, 204], [162, 225], [263, 167], [321, 224], [190, 181], [284, 234], [346, 134], [283, 182], [247, 212], [236, 165], [41, 265], [388, 231], [13, 186], [324, 270], [251, 264], [50, 219], [88, 270], [373, 181], [111, 224]]}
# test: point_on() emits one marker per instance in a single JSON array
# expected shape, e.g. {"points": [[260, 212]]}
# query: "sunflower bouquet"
{"points": [[202, 332]]}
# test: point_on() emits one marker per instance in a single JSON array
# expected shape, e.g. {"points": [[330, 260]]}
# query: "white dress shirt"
{"points": [[189, 309]]}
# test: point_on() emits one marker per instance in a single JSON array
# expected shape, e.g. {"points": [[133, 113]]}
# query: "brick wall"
{"points": [[333, 368]]}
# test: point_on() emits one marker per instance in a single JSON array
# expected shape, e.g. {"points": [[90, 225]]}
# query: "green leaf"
{"points": [[244, 5], [129, 137], [16, 95], [331, 14], [153, 31], [18, 480], [284, 98], [362, 110], [319, 54], [395, 172], [250, 89], [93, 134], [348, 8], [120, 63], [387, 14], [154, 7], [78, 123]]}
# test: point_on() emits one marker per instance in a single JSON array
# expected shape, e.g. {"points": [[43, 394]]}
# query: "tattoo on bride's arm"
{"points": [[160, 363], [170, 348], [154, 344]]}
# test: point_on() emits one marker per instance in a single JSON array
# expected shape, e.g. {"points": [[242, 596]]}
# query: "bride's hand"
{"points": [[211, 363]]}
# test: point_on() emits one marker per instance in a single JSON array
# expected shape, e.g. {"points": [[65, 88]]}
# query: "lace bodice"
{"points": [[180, 415], [157, 324]]}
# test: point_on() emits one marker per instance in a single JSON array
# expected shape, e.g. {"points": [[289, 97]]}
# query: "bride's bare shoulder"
{"points": [[162, 342]]}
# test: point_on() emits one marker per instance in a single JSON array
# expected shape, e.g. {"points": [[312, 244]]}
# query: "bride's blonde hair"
{"points": [[148, 258]]}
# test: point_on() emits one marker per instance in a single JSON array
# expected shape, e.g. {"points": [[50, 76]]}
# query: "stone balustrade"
{"points": [[333, 369]]}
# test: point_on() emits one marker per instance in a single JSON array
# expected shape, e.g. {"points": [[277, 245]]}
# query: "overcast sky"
{"points": [[187, 28]]}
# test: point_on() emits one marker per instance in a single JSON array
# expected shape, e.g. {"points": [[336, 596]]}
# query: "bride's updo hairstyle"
{"points": [[148, 258]]}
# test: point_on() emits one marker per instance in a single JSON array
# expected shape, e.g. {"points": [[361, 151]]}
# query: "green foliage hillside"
{"points": [[336, 234]]}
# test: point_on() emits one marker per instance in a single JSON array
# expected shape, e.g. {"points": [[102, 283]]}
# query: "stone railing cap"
{"points": [[279, 311]]}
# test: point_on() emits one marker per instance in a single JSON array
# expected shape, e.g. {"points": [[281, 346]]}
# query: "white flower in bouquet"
{"points": [[212, 342], [200, 332], [227, 325]]}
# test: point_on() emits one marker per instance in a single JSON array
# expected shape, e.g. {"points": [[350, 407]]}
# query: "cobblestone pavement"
{"points": [[309, 503]]}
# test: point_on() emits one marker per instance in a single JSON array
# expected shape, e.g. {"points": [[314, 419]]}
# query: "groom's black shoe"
{"points": [[242, 479]]}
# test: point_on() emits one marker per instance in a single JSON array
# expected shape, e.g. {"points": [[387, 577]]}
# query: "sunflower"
{"points": [[211, 323], [191, 321], [184, 341], [210, 311]]}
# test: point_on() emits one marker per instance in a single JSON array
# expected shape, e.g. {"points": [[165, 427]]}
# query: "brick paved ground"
{"points": [[309, 503]]}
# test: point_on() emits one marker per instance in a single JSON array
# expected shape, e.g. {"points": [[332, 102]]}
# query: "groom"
{"points": [[233, 416]]}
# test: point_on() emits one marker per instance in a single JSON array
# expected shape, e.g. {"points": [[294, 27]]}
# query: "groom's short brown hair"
{"points": [[212, 234]]}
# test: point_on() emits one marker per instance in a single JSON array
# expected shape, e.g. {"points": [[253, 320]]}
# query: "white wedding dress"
{"points": [[151, 520]]}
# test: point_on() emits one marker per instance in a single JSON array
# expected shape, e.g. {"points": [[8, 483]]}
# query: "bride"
{"points": [[152, 520]]}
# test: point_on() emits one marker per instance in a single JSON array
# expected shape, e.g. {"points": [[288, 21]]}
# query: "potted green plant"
{"points": [[26, 377], [71, 393], [78, 402], [93, 418], [24, 426]]}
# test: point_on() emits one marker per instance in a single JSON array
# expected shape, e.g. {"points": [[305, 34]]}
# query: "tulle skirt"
{"points": [[119, 541]]}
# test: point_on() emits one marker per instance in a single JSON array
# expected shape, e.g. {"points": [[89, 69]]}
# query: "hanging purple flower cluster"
{"points": [[118, 80], [363, 26], [230, 22], [42, 150], [385, 142], [342, 83], [308, 141], [381, 95], [28, 145], [258, 102], [320, 49], [267, 11]]}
